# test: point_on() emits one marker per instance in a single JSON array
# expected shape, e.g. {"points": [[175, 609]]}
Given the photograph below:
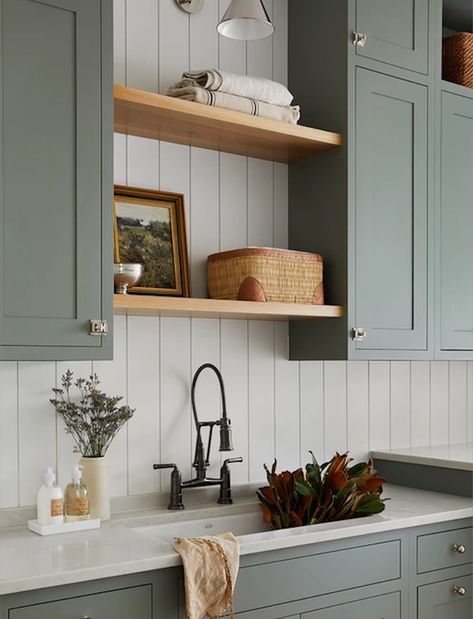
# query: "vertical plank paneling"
{"points": [[335, 407], [234, 365], [143, 163], [205, 226], [458, 402], [470, 402], [205, 346], [260, 202], [420, 403], [358, 409], [439, 399], [233, 201], [67, 452], [280, 211], [119, 41], [36, 427], [8, 434], [175, 380], [261, 397], [260, 59], [142, 45], [173, 40], [119, 158], [203, 37], [379, 404], [232, 53], [113, 377], [400, 404], [143, 395], [174, 175], [280, 46], [287, 410], [312, 429]]}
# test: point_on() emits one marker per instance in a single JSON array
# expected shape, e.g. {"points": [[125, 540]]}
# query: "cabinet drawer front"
{"points": [[440, 601], [442, 550], [131, 603], [304, 577], [385, 606]]}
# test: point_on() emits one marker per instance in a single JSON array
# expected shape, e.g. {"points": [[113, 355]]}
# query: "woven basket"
{"points": [[458, 59], [264, 274]]}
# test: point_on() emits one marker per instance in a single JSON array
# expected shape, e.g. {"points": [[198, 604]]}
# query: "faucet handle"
{"points": [[225, 497], [175, 502]]}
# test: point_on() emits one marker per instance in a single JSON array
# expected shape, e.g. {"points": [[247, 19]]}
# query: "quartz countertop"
{"points": [[459, 456], [29, 562]]}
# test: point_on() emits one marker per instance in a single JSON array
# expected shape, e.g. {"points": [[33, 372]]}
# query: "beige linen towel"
{"points": [[210, 571], [189, 92], [258, 88]]}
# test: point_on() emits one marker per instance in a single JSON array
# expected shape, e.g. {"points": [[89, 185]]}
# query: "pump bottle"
{"points": [[76, 498], [50, 500]]}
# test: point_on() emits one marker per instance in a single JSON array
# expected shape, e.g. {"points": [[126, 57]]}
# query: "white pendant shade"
{"points": [[246, 20]]}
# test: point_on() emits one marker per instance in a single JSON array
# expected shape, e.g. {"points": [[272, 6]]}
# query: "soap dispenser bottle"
{"points": [[76, 498], [50, 500]]}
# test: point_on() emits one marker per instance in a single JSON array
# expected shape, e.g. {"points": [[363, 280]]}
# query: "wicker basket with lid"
{"points": [[266, 274]]}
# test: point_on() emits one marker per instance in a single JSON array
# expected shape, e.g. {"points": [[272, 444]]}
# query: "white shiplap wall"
{"points": [[277, 407]]}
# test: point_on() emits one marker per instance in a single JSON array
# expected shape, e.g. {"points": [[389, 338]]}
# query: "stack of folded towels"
{"points": [[251, 95]]}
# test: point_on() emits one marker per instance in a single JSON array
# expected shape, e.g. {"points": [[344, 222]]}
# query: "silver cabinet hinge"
{"points": [[98, 327], [359, 334], [359, 39]]}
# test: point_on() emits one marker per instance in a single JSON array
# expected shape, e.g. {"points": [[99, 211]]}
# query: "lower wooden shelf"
{"points": [[143, 305]]}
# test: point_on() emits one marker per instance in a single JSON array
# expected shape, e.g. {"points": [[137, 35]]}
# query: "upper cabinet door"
{"points": [[456, 224], [390, 234], [396, 32], [55, 183]]}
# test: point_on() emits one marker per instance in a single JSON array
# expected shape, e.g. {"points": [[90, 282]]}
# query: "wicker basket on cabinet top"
{"points": [[458, 59], [266, 274]]}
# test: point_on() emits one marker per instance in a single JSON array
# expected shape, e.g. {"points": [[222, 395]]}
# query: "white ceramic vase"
{"points": [[95, 477]]}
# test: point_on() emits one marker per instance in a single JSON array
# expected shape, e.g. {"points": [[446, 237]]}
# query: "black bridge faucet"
{"points": [[201, 459]]}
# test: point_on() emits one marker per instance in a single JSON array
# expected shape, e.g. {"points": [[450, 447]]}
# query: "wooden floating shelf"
{"points": [[159, 117], [178, 307]]}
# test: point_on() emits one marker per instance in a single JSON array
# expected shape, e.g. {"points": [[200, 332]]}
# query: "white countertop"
{"points": [[458, 456], [29, 562]]}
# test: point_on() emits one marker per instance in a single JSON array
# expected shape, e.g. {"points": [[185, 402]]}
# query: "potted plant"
{"points": [[322, 493], [93, 420]]}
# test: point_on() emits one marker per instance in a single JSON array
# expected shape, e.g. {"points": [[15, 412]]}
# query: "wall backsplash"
{"points": [[278, 408]]}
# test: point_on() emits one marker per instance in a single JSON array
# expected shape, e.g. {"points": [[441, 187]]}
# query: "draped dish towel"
{"points": [[258, 88], [210, 570], [186, 89]]}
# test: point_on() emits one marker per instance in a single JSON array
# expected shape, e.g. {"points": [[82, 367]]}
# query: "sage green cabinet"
{"points": [[455, 251], [56, 178], [396, 33], [449, 599], [135, 602], [385, 606], [391, 230]]}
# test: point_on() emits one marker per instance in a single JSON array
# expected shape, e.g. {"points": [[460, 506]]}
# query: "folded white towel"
{"points": [[258, 88], [186, 90]]}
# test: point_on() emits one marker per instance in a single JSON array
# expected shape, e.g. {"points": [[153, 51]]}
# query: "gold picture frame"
{"points": [[156, 239]]}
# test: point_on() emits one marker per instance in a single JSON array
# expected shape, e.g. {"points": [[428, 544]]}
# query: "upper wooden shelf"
{"points": [[159, 117], [179, 307]]}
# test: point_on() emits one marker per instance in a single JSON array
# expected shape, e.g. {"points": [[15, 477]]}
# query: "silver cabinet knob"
{"points": [[460, 548], [359, 334], [359, 39], [459, 590]]}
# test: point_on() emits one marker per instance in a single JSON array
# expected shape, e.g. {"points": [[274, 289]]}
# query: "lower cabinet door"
{"points": [[450, 599], [380, 607], [130, 603]]}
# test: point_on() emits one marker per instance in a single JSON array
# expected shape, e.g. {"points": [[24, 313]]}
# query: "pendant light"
{"points": [[246, 20]]}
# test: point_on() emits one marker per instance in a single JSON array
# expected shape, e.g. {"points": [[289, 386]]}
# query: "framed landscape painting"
{"points": [[150, 230]]}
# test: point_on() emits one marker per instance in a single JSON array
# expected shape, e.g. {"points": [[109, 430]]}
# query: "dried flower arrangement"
{"points": [[94, 420], [323, 493]]}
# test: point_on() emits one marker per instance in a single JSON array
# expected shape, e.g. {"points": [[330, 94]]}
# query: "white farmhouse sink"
{"points": [[238, 524]]}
